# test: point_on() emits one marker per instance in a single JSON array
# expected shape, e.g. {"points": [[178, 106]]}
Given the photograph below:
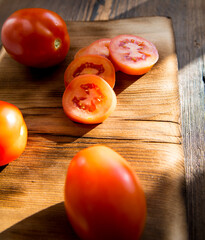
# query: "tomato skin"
{"points": [[103, 196], [97, 65], [36, 37], [132, 55], [88, 99], [13, 133]]}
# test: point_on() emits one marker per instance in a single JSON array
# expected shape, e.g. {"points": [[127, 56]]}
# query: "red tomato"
{"points": [[132, 54], [90, 64], [13, 133], [88, 99], [36, 37], [103, 196], [99, 47]]}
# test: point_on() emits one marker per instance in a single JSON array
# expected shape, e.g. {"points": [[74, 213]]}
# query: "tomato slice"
{"points": [[90, 64], [98, 47], [132, 54], [88, 99]]}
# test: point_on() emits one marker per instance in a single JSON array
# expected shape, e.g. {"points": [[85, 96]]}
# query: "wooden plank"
{"points": [[188, 22], [192, 93], [145, 129]]}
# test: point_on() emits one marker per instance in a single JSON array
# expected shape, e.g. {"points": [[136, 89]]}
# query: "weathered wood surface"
{"points": [[188, 22], [145, 129]]}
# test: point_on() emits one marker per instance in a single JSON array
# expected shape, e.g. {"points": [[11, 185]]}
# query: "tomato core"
{"points": [[137, 52], [83, 102], [87, 67]]}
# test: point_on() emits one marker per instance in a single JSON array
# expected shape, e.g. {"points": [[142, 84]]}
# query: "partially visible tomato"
{"points": [[90, 64], [103, 196], [98, 47], [88, 99], [36, 37], [132, 54], [13, 133], [81, 52]]}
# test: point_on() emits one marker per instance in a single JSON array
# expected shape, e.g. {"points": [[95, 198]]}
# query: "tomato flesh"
{"points": [[88, 99], [13, 133], [132, 54], [97, 97], [90, 64], [36, 37], [103, 196]]}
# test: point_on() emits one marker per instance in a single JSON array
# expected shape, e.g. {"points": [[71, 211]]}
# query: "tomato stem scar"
{"points": [[57, 43]]}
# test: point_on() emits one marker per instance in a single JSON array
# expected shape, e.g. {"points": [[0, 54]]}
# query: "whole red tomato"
{"points": [[103, 196], [13, 133], [36, 37]]}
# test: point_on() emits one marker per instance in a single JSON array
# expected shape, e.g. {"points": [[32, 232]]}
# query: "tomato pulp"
{"points": [[13, 133], [36, 37], [103, 196], [132, 54], [88, 99]]}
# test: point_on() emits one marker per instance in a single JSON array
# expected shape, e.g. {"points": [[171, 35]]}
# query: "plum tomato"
{"points": [[98, 47], [90, 64], [13, 133], [104, 198], [36, 37], [88, 99], [132, 54]]}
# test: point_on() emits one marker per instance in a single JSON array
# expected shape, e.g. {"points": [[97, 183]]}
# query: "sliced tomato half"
{"points": [[98, 47], [132, 54], [88, 99], [91, 64]]}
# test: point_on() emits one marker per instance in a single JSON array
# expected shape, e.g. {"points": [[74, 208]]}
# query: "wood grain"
{"points": [[188, 22], [145, 129]]}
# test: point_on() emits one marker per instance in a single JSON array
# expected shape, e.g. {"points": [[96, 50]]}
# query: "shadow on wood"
{"points": [[50, 223]]}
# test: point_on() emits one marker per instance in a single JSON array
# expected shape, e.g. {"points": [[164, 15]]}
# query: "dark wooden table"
{"points": [[188, 17]]}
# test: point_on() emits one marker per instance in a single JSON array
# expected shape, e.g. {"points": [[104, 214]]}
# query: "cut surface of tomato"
{"points": [[90, 64], [98, 47], [88, 99], [132, 54]]}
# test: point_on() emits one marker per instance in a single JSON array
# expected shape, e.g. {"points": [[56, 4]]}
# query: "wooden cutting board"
{"points": [[145, 129]]}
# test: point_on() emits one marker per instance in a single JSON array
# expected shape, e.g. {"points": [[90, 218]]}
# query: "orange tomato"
{"points": [[103, 196], [13, 133]]}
